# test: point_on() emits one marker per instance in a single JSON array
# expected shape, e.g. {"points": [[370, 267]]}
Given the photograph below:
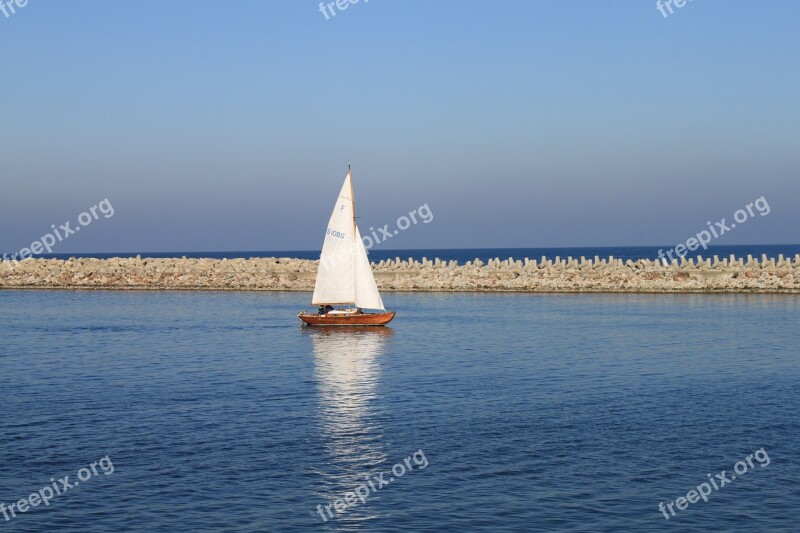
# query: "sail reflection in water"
{"points": [[347, 371]]}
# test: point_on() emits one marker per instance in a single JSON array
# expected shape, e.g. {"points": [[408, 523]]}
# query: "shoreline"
{"points": [[557, 275]]}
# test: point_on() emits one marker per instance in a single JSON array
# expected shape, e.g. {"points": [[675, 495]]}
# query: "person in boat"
{"points": [[325, 309]]}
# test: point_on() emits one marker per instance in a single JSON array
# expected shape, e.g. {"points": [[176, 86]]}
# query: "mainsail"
{"points": [[345, 275]]}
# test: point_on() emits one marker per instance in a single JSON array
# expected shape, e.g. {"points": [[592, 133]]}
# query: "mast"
{"points": [[352, 197], [355, 228]]}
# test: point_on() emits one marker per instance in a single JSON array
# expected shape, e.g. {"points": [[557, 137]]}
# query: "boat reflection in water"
{"points": [[347, 372]]}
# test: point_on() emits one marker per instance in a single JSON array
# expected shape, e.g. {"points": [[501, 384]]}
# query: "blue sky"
{"points": [[228, 125]]}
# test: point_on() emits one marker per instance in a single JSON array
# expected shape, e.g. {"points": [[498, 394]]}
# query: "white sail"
{"points": [[345, 275], [367, 295], [336, 281]]}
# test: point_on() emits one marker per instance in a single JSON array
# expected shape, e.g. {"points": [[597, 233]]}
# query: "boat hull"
{"points": [[362, 319]]}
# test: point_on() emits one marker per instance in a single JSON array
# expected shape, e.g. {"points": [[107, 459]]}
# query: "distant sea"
{"points": [[462, 255]]}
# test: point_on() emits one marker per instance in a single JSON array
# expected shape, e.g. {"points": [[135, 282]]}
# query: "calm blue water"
{"points": [[532, 412], [463, 255]]}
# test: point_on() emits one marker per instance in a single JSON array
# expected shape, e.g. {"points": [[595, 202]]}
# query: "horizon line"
{"points": [[397, 249]]}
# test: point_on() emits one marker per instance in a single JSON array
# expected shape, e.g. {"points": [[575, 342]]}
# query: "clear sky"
{"points": [[214, 126]]}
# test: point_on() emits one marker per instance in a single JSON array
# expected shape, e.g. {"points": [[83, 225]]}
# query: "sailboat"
{"points": [[345, 276]]}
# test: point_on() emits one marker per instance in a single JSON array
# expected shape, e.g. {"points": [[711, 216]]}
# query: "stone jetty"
{"points": [[564, 275]]}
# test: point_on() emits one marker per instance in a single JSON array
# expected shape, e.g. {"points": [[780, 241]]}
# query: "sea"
{"points": [[216, 411]]}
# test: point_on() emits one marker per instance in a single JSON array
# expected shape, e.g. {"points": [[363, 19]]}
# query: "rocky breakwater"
{"points": [[729, 275]]}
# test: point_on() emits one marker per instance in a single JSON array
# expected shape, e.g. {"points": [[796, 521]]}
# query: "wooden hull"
{"points": [[364, 319]]}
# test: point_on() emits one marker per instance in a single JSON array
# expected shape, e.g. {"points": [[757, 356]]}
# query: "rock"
{"points": [[567, 275]]}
